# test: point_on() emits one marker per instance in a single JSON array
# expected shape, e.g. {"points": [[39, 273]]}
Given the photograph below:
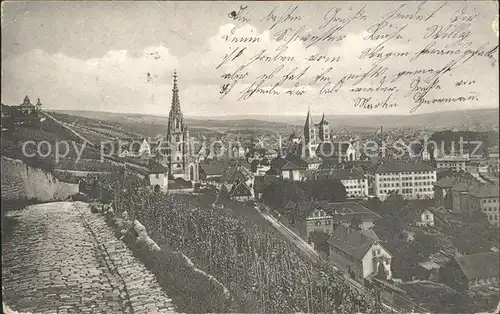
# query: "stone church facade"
{"points": [[179, 158]]}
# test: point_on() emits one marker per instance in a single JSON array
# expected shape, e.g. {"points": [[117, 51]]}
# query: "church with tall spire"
{"points": [[180, 161]]}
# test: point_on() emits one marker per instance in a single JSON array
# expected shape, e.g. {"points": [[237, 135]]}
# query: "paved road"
{"points": [[62, 258]]}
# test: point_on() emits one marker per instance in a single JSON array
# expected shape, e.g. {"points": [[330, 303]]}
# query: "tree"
{"points": [[280, 192], [254, 165], [325, 189], [320, 240]]}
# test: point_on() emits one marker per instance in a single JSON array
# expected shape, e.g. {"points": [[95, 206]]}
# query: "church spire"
{"points": [[176, 106], [309, 122]]}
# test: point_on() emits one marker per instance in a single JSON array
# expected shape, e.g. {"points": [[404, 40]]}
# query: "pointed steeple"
{"points": [[38, 103], [26, 100], [322, 119], [309, 122], [176, 106]]}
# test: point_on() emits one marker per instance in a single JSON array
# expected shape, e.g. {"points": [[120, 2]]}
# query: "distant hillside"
{"points": [[150, 125], [482, 119]]}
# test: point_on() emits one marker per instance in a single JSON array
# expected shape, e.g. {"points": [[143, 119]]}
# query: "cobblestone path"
{"points": [[62, 258]]}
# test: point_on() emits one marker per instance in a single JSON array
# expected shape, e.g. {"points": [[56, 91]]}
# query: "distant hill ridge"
{"points": [[443, 119]]}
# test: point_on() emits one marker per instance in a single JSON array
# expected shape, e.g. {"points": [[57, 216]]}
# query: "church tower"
{"points": [[310, 137], [177, 136], [324, 130]]}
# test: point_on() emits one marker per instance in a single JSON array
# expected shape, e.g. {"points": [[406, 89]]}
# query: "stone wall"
{"points": [[192, 289], [20, 181]]}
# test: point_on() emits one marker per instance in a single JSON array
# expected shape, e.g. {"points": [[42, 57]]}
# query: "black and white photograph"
{"points": [[250, 157]]}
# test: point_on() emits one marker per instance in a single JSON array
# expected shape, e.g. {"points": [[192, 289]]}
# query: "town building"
{"points": [[24, 110], [355, 182], [145, 149], [426, 219], [240, 192], [179, 159], [28, 109], [343, 151], [467, 243], [485, 199], [158, 177], [323, 216], [291, 167], [472, 272], [453, 162], [442, 191], [411, 180], [358, 254], [458, 196]]}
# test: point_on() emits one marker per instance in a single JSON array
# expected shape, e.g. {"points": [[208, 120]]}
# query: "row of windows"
{"points": [[491, 209], [355, 193], [407, 172], [490, 201], [326, 223], [407, 178], [451, 163], [353, 187], [408, 191], [493, 217]]}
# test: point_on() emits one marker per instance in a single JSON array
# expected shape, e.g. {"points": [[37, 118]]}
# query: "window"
{"points": [[318, 223], [157, 176], [426, 217]]}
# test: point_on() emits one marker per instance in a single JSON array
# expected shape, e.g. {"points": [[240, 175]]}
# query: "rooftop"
{"points": [[485, 191], [351, 242], [447, 182], [478, 266], [342, 174], [471, 243], [341, 211], [399, 166]]}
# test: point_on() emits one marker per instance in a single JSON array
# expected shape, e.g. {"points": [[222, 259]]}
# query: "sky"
{"points": [[120, 56]]}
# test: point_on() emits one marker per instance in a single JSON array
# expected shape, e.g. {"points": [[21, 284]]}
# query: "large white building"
{"points": [[453, 162], [411, 180], [355, 183]]}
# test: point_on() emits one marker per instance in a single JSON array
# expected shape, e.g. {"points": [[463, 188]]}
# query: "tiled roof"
{"points": [[341, 174], [350, 241], [260, 182], [371, 234], [155, 167], [240, 190], [292, 166], [290, 205], [341, 211], [485, 191], [460, 187], [447, 182], [313, 160], [296, 160], [471, 243], [348, 210], [479, 266], [398, 166], [278, 163], [215, 167]]}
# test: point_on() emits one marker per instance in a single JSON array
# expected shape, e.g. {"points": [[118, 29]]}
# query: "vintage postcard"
{"points": [[250, 157]]}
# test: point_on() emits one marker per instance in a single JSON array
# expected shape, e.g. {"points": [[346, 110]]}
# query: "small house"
{"points": [[425, 219], [158, 177]]}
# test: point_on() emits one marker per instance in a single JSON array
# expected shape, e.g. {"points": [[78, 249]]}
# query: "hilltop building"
{"points": [[26, 109]]}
